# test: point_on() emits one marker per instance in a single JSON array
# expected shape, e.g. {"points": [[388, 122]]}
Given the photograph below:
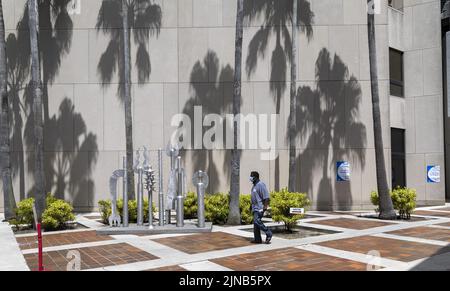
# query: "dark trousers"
{"points": [[258, 225]]}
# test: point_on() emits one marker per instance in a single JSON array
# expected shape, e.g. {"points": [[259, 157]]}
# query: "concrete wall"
{"points": [[417, 32], [192, 60]]}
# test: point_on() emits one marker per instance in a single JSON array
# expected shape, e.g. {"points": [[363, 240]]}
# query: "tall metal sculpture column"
{"points": [[125, 194], [140, 192], [180, 194], [201, 181], [149, 185], [161, 193], [172, 151]]}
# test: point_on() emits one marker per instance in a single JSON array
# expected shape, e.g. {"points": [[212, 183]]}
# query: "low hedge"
{"points": [[245, 202], [403, 199], [281, 204], [55, 217], [217, 208]]}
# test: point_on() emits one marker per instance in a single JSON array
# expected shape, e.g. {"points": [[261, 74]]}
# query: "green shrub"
{"points": [[375, 199], [281, 204], [405, 202], [245, 202], [217, 208], [105, 210], [104, 206], [57, 214], [403, 199], [50, 199], [190, 206], [24, 213]]}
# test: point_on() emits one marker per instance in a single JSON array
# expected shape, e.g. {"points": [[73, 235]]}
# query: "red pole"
{"points": [[41, 262]]}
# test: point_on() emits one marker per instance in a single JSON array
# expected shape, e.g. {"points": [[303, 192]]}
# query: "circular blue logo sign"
{"points": [[434, 174], [343, 171]]}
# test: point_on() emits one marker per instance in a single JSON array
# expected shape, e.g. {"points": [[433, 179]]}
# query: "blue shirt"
{"points": [[259, 194]]}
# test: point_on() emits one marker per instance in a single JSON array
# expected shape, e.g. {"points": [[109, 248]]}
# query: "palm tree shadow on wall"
{"points": [[277, 16], [17, 51], [145, 21], [55, 40], [214, 97], [328, 122]]}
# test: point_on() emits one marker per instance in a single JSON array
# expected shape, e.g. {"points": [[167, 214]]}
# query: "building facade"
{"points": [[188, 61]]}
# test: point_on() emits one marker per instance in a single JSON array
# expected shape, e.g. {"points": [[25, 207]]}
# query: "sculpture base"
{"points": [[144, 230]]}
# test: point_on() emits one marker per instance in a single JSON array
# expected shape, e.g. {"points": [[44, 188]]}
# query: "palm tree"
{"points": [[234, 217], [386, 207], [144, 18], [54, 42], [293, 106], [5, 153], [36, 91]]}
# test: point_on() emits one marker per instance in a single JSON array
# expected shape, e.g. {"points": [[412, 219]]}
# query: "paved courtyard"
{"points": [[342, 241]]}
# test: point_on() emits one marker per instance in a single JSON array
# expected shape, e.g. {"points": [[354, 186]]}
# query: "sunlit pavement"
{"points": [[350, 242]]}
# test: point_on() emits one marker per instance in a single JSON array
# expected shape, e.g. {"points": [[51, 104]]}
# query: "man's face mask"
{"points": [[252, 179]]}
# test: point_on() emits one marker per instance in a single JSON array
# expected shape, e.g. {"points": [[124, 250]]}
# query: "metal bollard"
{"points": [[125, 194], [161, 193], [201, 181], [180, 197]]}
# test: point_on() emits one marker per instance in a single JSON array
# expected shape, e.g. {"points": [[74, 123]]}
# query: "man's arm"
{"points": [[266, 204], [266, 197]]}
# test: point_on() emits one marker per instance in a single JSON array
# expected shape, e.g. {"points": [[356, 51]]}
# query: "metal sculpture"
{"points": [[140, 192], [146, 177], [114, 219], [172, 152], [180, 193], [125, 192], [149, 185], [161, 193], [201, 181]]}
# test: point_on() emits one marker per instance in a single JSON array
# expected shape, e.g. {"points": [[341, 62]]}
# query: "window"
{"points": [[398, 158], [396, 4], [396, 72]]}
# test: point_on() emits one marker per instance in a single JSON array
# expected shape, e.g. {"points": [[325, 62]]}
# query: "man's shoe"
{"points": [[256, 242], [268, 239]]}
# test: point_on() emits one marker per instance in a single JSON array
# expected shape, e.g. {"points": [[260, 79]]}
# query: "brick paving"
{"points": [[207, 242], [91, 258], [443, 209], [169, 269], [289, 259], [358, 224], [68, 238], [432, 213], [404, 248], [425, 233], [404, 251]]}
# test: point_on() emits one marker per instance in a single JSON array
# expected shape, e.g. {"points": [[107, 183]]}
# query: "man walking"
{"points": [[260, 203]]}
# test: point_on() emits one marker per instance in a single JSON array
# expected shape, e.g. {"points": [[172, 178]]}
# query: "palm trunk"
{"points": [[5, 153], [36, 87], [386, 206], [127, 100], [234, 217], [293, 103]]}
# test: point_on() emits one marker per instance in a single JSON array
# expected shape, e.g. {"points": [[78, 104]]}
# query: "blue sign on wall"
{"points": [[433, 174], [343, 171]]}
